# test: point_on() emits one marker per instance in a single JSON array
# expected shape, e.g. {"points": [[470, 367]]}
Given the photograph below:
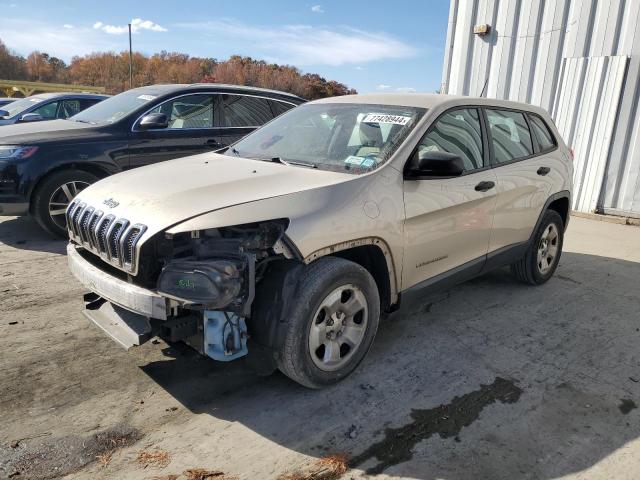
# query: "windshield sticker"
{"points": [[384, 118], [366, 162], [353, 160], [147, 98]]}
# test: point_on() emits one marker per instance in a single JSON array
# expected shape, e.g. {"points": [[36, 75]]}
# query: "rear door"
{"points": [[448, 220], [525, 168], [240, 114], [191, 131]]}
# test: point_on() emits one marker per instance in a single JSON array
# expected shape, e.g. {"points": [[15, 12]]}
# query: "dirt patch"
{"points": [[445, 420], [57, 457], [330, 467], [153, 458], [197, 474]]}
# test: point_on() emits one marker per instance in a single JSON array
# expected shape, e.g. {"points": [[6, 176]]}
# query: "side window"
{"points": [[278, 108], [84, 104], [457, 132], [543, 134], [244, 111], [69, 108], [510, 135], [188, 111], [47, 111]]}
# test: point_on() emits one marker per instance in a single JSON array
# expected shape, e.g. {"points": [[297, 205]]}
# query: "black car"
{"points": [[43, 166], [47, 106]]}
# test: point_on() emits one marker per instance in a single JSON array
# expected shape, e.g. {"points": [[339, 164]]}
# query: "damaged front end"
{"points": [[196, 287]]}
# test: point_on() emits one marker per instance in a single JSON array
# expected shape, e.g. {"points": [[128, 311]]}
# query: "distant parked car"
{"points": [[43, 166], [5, 100], [47, 106]]}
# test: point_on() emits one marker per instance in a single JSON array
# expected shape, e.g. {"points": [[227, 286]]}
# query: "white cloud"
{"points": [[317, 9], [359, 67], [304, 44], [137, 24], [382, 86], [67, 26], [26, 35], [405, 89]]}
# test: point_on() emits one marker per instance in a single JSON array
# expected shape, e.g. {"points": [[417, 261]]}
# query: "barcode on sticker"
{"points": [[385, 118]]}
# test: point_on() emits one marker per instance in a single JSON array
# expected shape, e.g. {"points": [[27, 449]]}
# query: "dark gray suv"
{"points": [[43, 166]]}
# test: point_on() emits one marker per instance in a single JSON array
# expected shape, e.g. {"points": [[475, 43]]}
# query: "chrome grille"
{"points": [[113, 239]]}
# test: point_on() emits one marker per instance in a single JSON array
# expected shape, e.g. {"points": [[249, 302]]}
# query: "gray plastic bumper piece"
{"points": [[127, 328]]}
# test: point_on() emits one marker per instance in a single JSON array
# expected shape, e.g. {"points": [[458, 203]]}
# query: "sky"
{"points": [[375, 45]]}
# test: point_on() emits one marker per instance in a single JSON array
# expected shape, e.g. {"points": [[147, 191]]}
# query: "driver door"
{"points": [[448, 221]]}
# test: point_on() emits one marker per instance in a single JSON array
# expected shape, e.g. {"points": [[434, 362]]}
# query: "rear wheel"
{"points": [[333, 325], [54, 195], [542, 257]]}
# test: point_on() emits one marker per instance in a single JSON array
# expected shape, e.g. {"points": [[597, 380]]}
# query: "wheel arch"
{"points": [[373, 254], [93, 169]]}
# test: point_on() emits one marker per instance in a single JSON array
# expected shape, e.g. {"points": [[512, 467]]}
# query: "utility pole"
{"points": [[130, 60]]}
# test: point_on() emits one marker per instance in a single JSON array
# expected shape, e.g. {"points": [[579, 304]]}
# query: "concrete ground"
{"points": [[492, 379]]}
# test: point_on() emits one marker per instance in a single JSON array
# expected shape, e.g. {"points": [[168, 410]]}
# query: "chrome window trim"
{"points": [[134, 128]]}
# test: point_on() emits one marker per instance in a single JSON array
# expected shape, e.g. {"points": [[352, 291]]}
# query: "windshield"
{"points": [[333, 136], [113, 109], [19, 106]]}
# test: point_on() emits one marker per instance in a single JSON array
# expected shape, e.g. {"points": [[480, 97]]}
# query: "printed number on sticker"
{"points": [[383, 118]]}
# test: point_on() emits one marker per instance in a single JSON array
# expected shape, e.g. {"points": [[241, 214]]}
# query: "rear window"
{"points": [[543, 134], [510, 135]]}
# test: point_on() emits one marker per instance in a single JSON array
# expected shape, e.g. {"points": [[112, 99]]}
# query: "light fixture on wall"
{"points": [[482, 29]]}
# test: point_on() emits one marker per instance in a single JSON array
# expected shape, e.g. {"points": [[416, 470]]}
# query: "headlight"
{"points": [[16, 151], [212, 283]]}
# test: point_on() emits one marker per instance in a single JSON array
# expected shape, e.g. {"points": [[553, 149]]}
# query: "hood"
{"points": [[162, 195], [48, 130]]}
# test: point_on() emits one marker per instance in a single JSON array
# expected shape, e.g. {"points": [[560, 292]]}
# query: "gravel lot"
{"points": [[491, 379]]}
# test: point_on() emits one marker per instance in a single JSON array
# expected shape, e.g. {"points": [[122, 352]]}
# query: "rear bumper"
{"points": [[130, 297]]}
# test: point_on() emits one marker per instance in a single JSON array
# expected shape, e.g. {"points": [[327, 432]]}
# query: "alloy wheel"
{"points": [[338, 327], [547, 249], [60, 200]]}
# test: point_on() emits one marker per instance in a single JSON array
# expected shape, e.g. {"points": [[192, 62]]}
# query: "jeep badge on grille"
{"points": [[111, 203]]}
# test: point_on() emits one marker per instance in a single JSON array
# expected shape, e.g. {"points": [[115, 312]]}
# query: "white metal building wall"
{"points": [[580, 60]]}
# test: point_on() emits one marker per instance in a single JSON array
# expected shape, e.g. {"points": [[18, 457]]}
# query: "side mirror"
{"points": [[435, 164], [31, 117], [153, 120], [4, 113]]}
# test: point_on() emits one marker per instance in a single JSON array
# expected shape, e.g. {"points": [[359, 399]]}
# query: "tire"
{"points": [[53, 193], [530, 268], [325, 283]]}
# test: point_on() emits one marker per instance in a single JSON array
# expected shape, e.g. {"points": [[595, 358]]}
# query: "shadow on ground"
{"points": [[492, 379], [25, 234]]}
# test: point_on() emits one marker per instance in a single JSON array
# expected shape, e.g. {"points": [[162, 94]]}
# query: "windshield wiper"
{"points": [[83, 121], [292, 162]]}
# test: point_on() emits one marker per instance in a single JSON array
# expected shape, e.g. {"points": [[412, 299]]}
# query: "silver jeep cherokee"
{"points": [[299, 236]]}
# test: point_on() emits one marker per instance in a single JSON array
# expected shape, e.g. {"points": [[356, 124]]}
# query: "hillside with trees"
{"points": [[111, 70]]}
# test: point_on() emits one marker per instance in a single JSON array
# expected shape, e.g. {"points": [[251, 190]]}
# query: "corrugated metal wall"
{"points": [[532, 54]]}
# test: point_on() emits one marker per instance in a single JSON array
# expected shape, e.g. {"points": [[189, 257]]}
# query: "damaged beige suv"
{"points": [[292, 243]]}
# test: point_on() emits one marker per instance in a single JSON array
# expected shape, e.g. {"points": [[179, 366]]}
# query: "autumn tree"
{"points": [[111, 70]]}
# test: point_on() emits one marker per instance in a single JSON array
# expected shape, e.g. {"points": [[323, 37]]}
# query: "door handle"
{"points": [[213, 143], [484, 186], [543, 171]]}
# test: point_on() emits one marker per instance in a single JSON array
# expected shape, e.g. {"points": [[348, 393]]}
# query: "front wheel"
{"points": [[542, 257], [333, 324], [54, 195]]}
